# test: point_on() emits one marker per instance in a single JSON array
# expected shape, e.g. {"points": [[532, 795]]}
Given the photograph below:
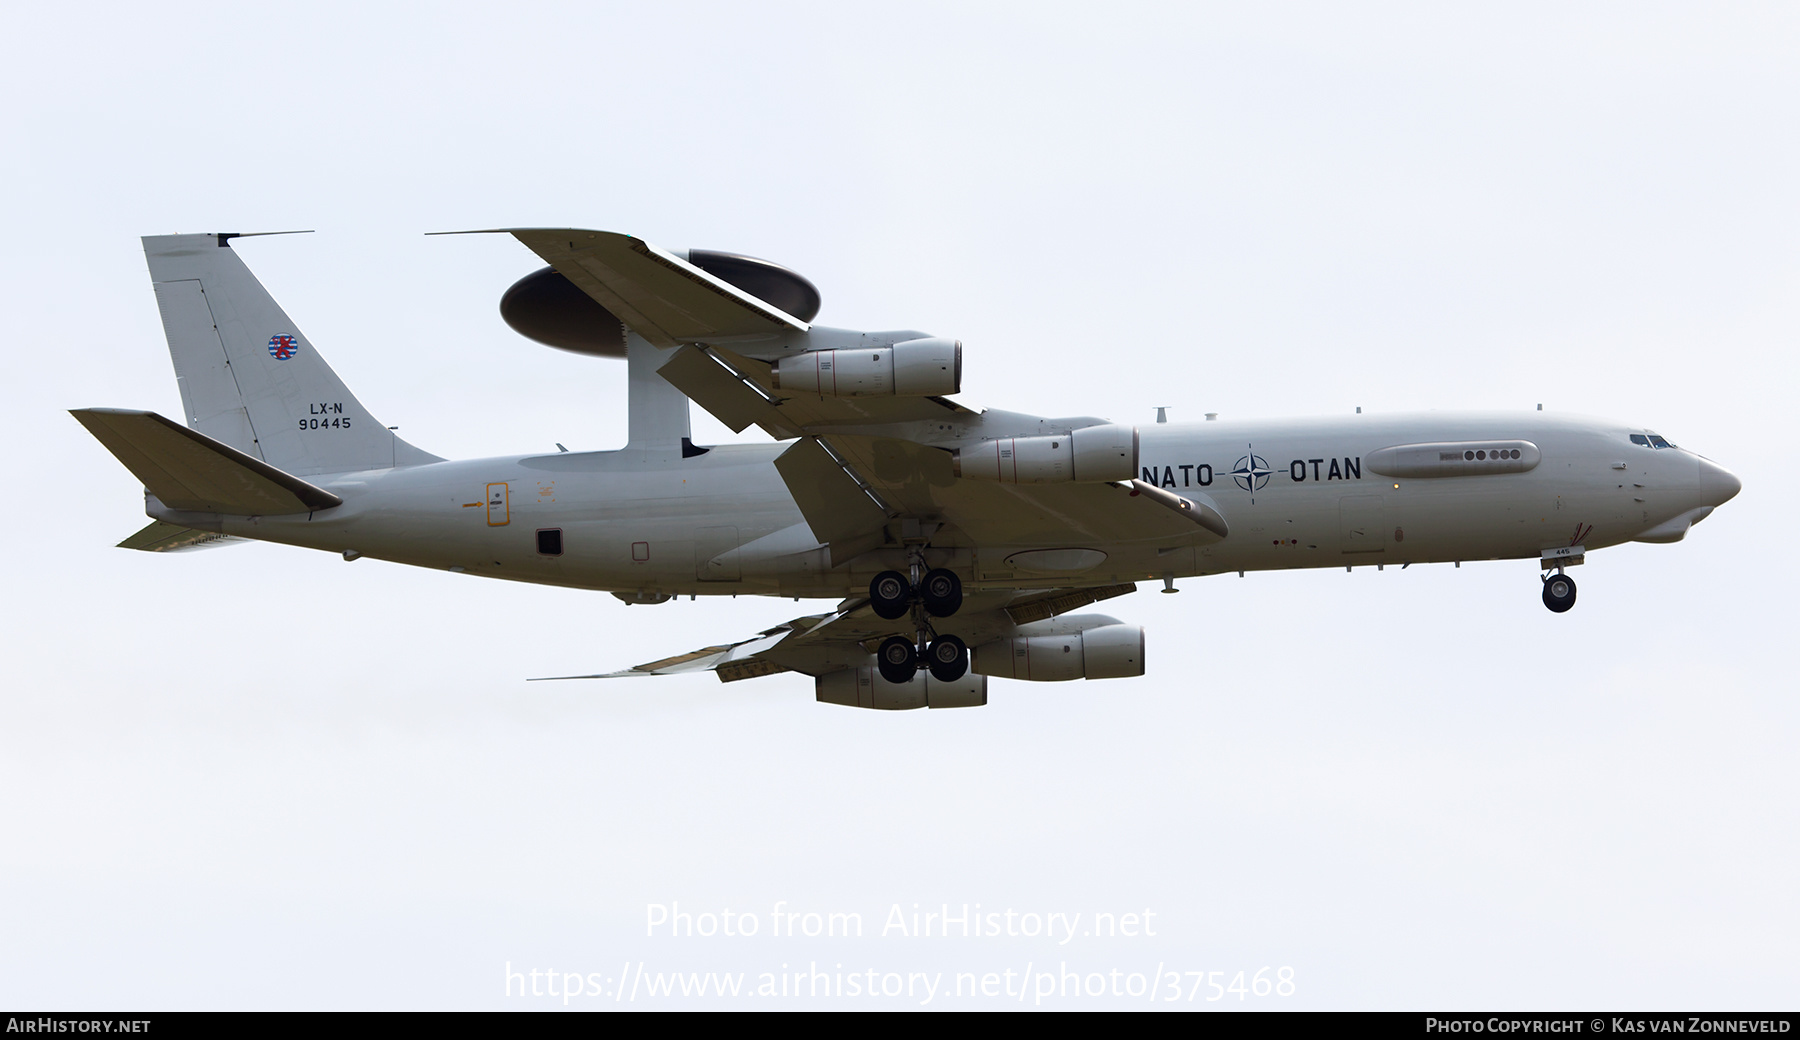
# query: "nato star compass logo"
{"points": [[1252, 472]]}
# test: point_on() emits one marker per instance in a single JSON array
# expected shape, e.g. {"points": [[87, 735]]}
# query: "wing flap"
{"points": [[188, 470], [836, 506], [1060, 601], [717, 389], [916, 480]]}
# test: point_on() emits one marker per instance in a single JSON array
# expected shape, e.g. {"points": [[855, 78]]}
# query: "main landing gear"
{"points": [[1559, 591], [892, 595], [947, 658], [935, 594], [898, 660]]}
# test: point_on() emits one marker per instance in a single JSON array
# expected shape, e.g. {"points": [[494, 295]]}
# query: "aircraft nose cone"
{"points": [[1718, 485]]}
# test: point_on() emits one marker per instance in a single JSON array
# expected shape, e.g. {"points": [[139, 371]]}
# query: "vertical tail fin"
{"points": [[249, 377]]}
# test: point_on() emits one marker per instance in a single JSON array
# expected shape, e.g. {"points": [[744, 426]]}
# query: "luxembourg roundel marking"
{"points": [[281, 348]]}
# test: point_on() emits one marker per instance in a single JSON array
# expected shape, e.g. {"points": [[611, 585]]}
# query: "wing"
{"points": [[662, 297], [864, 461], [739, 390], [861, 462], [915, 480], [819, 644], [849, 489], [728, 338]]}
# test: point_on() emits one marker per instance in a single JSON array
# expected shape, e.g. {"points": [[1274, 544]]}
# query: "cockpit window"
{"points": [[1658, 442], [1638, 438]]}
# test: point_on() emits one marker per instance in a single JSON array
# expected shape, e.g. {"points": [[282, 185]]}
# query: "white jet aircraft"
{"points": [[957, 540]]}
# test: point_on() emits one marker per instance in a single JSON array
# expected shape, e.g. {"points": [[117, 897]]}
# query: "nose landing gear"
{"points": [[1559, 588]]}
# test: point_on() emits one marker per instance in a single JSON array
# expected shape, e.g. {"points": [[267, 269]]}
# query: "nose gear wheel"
{"points": [[1559, 592]]}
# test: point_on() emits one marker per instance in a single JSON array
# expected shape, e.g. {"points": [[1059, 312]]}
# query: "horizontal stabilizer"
{"points": [[190, 471], [165, 537]]}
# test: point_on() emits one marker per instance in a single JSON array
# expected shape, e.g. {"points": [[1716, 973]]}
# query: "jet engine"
{"points": [[549, 308], [912, 368], [865, 688], [1091, 647], [1087, 456]]}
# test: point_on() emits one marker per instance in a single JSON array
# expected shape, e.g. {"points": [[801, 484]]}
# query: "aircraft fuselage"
{"points": [[1296, 494]]}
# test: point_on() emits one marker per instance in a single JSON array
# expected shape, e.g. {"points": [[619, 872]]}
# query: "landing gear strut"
{"points": [[925, 594], [1559, 591]]}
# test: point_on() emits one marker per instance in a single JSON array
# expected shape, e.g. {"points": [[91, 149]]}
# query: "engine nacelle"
{"points": [[1090, 455], [865, 688], [1105, 652], [913, 368]]}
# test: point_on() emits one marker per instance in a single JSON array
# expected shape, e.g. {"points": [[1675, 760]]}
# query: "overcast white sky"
{"points": [[262, 778]]}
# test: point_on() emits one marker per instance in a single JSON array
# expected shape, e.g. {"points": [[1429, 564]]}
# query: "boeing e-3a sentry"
{"points": [[956, 541]]}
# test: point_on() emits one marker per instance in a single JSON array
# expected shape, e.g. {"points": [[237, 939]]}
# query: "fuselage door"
{"points": [[498, 512]]}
